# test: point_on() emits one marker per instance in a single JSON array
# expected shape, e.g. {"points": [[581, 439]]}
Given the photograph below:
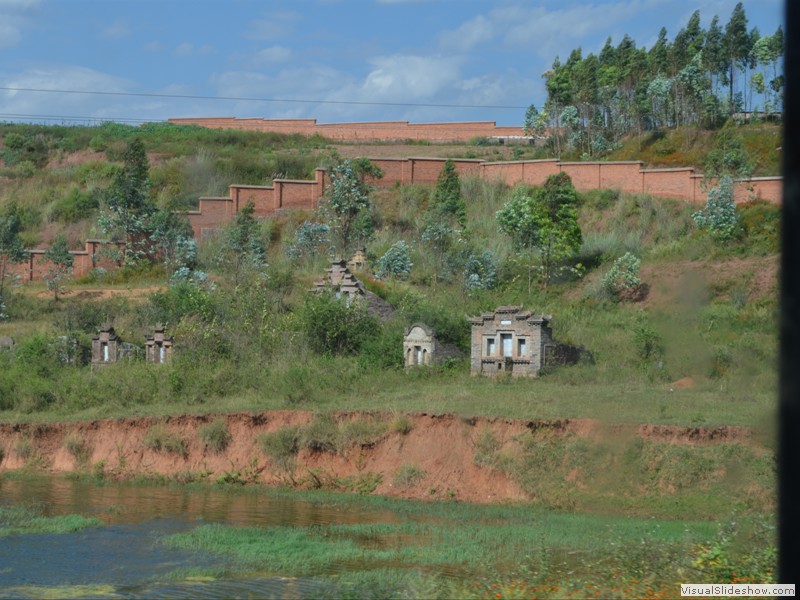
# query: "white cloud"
{"points": [[14, 19], [186, 49], [115, 31], [470, 34], [407, 77], [67, 77], [154, 47], [278, 25], [274, 54]]}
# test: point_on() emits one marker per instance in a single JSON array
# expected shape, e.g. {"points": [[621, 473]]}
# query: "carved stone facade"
{"points": [[341, 282], [105, 346], [419, 346], [158, 347], [509, 341], [358, 262]]}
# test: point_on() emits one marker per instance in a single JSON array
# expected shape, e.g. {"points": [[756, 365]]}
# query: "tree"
{"points": [[129, 206], [60, 267], [396, 262], [447, 200], [544, 223], [11, 248], [737, 48], [243, 246], [348, 200], [173, 240], [719, 217]]}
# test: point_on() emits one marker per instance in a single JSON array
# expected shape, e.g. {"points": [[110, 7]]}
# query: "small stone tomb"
{"points": [[341, 282], [509, 341], [105, 346], [419, 346], [358, 262], [6, 342], [158, 347]]}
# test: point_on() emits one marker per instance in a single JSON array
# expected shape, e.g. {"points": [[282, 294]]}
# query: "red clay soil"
{"points": [[441, 447]]}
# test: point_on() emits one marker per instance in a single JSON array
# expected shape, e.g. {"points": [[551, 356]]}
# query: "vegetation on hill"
{"points": [[246, 330], [700, 78]]}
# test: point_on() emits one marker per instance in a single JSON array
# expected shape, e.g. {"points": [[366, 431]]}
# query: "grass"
{"points": [[216, 436], [159, 439], [281, 446], [15, 520], [408, 475], [451, 548], [78, 448]]}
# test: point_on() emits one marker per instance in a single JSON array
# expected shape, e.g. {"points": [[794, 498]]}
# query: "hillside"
{"points": [[705, 316]]}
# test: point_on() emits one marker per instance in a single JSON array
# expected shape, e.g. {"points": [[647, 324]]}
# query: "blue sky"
{"points": [[348, 60]]}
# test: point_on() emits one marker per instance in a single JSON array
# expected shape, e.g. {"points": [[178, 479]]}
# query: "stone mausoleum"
{"points": [[105, 346], [158, 347], [509, 341], [419, 346], [341, 282]]}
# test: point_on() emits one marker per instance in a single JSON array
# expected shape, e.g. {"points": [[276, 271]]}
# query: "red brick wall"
{"points": [[585, 176], [624, 176], [35, 265], [669, 183]]}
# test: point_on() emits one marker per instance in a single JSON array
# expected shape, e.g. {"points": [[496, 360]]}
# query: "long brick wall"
{"points": [[286, 194], [628, 176], [362, 132], [92, 256]]}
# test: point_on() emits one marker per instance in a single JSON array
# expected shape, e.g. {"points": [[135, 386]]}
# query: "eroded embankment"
{"points": [[413, 456]]}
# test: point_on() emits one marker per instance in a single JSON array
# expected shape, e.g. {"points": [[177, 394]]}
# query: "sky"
{"points": [[331, 60]]}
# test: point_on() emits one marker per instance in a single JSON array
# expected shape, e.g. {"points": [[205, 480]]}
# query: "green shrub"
{"points": [[719, 216], [281, 446], [321, 435], [408, 475], [396, 262], [623, 276], [216, 436], [401, 424], [75, 206], [333, 327], [647, 343], [158, 439], [78, 448], [360, 432]]}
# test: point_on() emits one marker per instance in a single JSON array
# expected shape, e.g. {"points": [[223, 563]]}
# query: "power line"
{"points": [[246, 99], [76, 118]]}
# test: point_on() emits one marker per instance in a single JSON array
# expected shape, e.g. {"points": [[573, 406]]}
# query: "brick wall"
{"points": [[36, 265], [682, 184]]}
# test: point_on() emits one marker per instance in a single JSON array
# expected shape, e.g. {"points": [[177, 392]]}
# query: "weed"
{"points": [[78, 448], [363, 432], [25, 448], [321, 435], [216, 436], [281, 446], [486, 448], [401, 424], [408, 475], [158, 439]]}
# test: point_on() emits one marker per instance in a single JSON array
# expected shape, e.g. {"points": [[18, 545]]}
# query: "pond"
{"points": [[125, 557]]}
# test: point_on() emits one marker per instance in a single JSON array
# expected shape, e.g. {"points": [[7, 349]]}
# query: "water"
{"points": [[125, 559]]}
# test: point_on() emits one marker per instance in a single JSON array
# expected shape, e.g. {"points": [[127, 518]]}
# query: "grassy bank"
{"points": [[454, 550], [16, 520]]}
